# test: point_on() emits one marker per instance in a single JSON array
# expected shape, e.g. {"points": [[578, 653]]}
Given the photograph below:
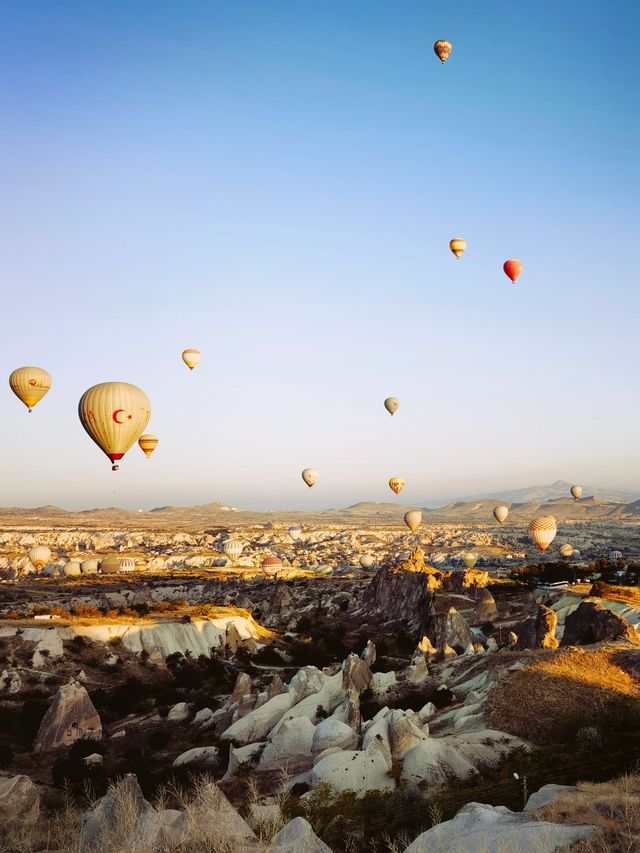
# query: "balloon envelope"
{"points": [[30, 384], [542, 531], [391, 405], [576, 491], [114, 415], [566, 550], [39, 556], [500, 513], [148, 443], [413, 519], [458, 246], [469, 559], [367, 560], [295, 532], [396, 484], [233, 548], [442, 49], [309, 475], [191, 357], [512, 268]]}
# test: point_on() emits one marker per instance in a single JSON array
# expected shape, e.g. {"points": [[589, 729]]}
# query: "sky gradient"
{"points": [[276, 184]]}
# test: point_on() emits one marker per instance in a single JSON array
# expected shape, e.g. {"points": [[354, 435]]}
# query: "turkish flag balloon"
{"points": [[512, 268]]}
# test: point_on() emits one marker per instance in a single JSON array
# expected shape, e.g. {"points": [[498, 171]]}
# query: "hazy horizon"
{"points": [[277, 186]]}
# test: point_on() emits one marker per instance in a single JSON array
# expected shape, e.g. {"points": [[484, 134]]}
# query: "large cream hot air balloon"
{"points": [[396, 484], [576, 491], [367, 560], [39, 556], [191, 357], [542, 531], [309, 475], [148, 443], [30, 384], [295, 532], [232, 549], [458, 246], [500, 513], [114, 414], [413, 519], [469, 559], [442, 49], [391, 405]]}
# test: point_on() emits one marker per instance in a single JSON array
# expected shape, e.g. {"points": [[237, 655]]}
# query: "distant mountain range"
{"points": [[609, 505]]}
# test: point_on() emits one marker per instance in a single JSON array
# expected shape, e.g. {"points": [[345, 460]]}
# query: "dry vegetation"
{"points": [[556, 690]]}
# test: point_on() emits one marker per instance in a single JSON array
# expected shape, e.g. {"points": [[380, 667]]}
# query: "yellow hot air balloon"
{"points": [[191, 357], [39, 556], [114, 414], [442, 49], [542, 531], [566, 550], [30, 384], [413, 519], [500, 513], [309, 475], [576, 491], [469, 559], [396, 484], [148, 443], [458, 246], [391, 405]]}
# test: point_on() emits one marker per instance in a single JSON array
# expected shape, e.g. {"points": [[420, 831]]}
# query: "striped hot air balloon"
{"points": [[232, 549], [148, 443], [191, 357], [30, 384], [542, 531], [458, 246], [114, 415], [39, 556]]}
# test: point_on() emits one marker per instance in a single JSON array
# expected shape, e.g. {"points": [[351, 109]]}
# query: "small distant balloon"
{"points": [[500, 513], [30, 384], [309, 475], [512, 269], [295, 532], [191, 357], [413, 519], [566, 550], [458, 246], [576, 491], [469, 559], [443, 49], [542, 531], [39, 556], [391, 405], [148, 443], [232, 549], [367, 560], [396, 484]]}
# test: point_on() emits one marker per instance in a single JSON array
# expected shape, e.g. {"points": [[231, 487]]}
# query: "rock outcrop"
{"points": [[19, 801], [404, 592], [450, 629], [298, 837], [539, 631], [70, 717], [485, 609], [593, 623]]}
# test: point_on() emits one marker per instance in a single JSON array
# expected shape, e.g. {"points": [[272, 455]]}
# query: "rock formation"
{"points": [[592, 623], [70, 717], [19, 801], [404, 592], [539, 631], [450, 629]]}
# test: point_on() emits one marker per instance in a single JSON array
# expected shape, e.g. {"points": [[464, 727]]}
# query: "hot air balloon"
{"points": [[542, 531], [469, 559], [413, 519], [191, 357], [30, 384], [39, 556], [148, 443], [396, 484], [71, 569], [295, 532], [442, 50], [271, 565], [566, 550], [90, 566], [512, 269], [458, 246], [323, 570], [367, 560], [500, 513], [110, 565], [391, 405], [232, 549], [114, 414], [576, 491], [309, 475]]}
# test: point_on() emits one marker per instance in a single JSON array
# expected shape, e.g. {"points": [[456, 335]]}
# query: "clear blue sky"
{"points": [[276, 184]]}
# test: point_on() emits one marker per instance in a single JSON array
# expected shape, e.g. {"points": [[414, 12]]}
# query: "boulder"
{"points": [[485, 609], [538, 632], [178, 712], [450, 629], [360, 771], [204, 717], [356, 675], [258, 723], [547, 794], [369, 654], [200, 756], [593, 623], [241, 688], [383, 682], [293, 738], [115, 816], [332, 733], [306, 682], [19, 801], [495, 829], [213, 820], [404, 732], [70, 717], [298, 837]]}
